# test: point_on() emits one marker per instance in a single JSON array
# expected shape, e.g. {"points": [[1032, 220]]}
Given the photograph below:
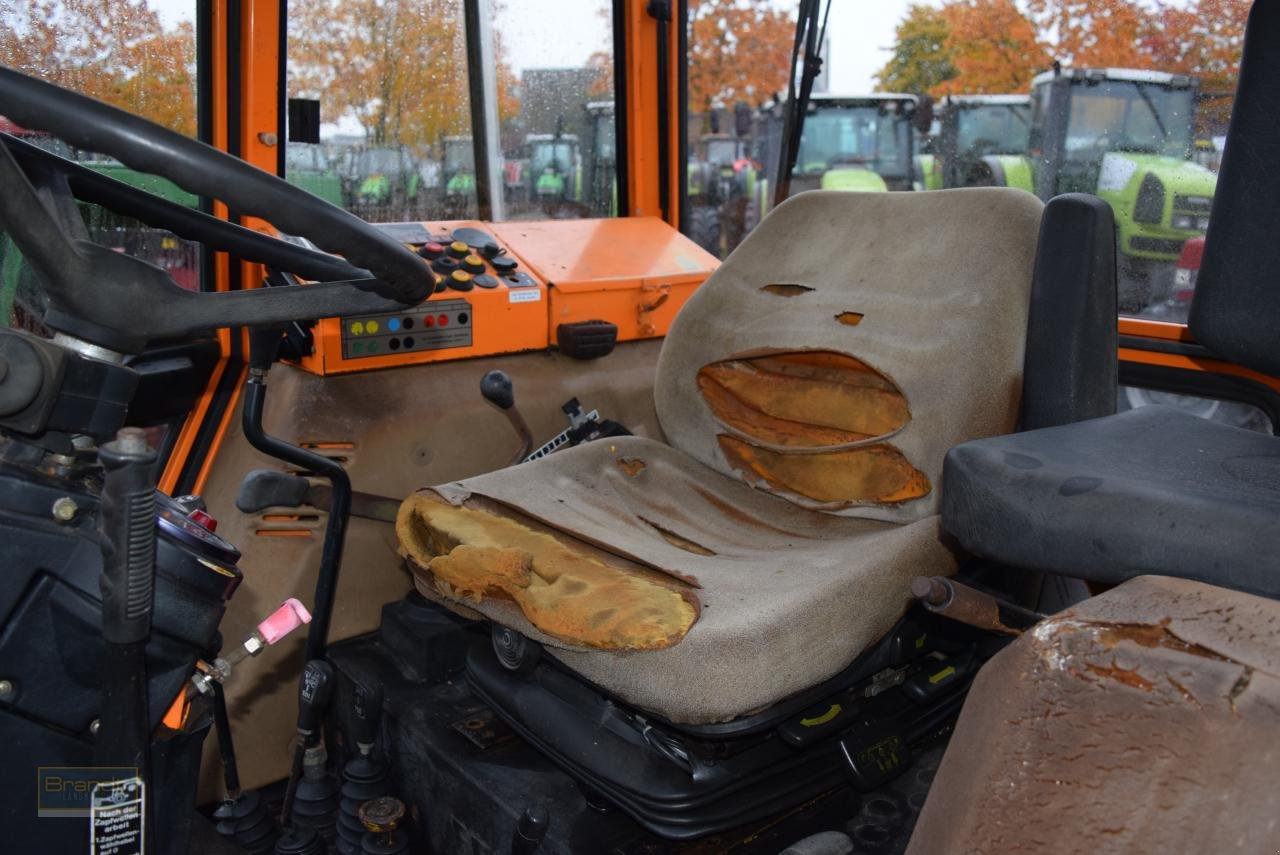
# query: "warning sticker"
{"points": [[524, 295], [116, 817]]}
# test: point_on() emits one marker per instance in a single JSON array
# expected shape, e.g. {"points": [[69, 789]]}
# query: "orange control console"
{"points": [[508, 287]]}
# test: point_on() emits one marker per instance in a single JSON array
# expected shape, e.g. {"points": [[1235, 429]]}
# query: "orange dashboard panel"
{"points": [[486, 301], [635, 272], [508, 287]]}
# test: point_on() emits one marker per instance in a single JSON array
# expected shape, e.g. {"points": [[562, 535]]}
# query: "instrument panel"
{"points": [[509, 287]]}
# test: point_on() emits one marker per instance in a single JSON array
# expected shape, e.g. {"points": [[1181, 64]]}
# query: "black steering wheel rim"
{"points": [[154, 306]]}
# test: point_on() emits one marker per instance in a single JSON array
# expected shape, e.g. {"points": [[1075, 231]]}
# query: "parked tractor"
{"points": [[856, 142], [981, 141], [1125, 135]]}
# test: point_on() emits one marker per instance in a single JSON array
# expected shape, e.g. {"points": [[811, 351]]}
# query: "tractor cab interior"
{"points": [[491, 525]]}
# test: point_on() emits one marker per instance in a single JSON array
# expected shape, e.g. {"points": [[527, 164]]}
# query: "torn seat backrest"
{"points": [[850, 341]]}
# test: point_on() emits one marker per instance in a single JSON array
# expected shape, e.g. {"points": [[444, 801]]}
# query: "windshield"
{"points": [[1123, 115], [459, 155], [558, 155], [994, 128], [377, 160], [722, 151], [866, 135]]}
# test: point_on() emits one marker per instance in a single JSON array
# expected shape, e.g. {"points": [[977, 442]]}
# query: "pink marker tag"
{"points": [[284, 620]]}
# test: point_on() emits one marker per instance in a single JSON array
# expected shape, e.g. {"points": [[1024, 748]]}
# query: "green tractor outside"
{"points": [[856, 142], [555, 167], [1126, 136], [981, 141], [722, 181], [307, 167]]}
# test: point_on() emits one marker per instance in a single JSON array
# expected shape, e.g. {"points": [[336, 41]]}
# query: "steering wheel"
{"points": [[120, 302]]}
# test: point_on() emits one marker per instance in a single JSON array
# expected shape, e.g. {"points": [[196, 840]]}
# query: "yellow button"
{"points": [[459, 246], [460, 276], [371, 327], [357, 328]]}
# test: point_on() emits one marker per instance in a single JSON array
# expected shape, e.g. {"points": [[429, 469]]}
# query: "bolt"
{"points": [[6, 689], [94, 727], [268, 138], [64, 509], [131, 440]]}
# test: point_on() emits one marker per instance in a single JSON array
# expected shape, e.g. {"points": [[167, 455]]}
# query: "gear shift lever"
{"points": [[497, 389]]}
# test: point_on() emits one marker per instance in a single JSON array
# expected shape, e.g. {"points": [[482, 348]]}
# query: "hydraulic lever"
{"points": [[314, 690], [497, 389], [263, 345]]}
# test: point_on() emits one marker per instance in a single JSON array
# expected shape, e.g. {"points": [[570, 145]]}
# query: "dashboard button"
{"points": [[504, 263], [484, 280], [458, 249], [460, 280], [431, 251], [473, 264]]}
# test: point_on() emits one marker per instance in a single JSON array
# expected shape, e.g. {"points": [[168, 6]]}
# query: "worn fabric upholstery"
{"points": [[790, 590]]}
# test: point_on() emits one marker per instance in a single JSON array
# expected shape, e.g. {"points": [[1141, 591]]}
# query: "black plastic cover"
{"points": [[1236, 308], [1070, 368]]}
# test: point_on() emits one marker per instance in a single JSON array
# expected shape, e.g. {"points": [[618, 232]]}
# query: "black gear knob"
{"points": [[313, 694], [497, 389]]}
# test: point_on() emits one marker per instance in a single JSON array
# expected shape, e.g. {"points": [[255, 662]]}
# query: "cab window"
{"points": [[396, 108], [134, 56]]}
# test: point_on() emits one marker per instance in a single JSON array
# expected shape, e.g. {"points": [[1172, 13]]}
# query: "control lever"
{"points": [[497, 389], [271, 488], [289, 616], [314, 690], [128, 591], [264, 344], [964, 604]]}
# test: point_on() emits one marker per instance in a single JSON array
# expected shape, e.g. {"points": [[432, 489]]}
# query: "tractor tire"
{"points": [[704, 228]]}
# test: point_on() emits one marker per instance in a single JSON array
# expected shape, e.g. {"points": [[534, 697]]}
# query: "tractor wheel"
{"points": [[704, 228]]}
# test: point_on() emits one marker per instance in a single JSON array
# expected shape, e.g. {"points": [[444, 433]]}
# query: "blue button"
{"points": [[393, 324]]}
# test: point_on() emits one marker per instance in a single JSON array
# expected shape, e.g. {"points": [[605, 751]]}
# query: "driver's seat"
{"points": [[809, 392]]}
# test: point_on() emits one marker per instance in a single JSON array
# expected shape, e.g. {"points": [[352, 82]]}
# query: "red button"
{"points": [[443, 320], [205, 519], [428, 321]]}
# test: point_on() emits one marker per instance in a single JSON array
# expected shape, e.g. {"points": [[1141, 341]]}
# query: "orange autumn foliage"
{"points": [[993, 47], [739, 50], [117, 51], [398, 67]]}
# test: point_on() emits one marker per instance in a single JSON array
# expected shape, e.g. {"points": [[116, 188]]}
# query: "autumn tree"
{"points": [[739, 50], [1094, 33], [922, 57], [397, 67], [117, 51], [992, 46]]}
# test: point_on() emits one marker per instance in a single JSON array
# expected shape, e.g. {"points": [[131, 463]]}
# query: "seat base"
{"points": [[1148, 491], [687, 781], [468, 777]]}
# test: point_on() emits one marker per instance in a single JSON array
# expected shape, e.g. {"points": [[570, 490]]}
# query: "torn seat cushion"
{"points": [[1151, 490], [1146, 719], [785, 597], [851, 340]]}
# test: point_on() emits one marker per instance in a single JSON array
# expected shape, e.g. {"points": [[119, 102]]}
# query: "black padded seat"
{"points": [[1151, 490]]}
